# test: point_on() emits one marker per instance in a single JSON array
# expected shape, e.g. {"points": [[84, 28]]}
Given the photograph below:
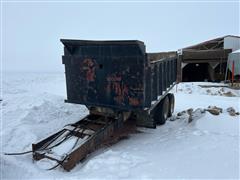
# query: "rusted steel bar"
{"points": [[101, 127]]}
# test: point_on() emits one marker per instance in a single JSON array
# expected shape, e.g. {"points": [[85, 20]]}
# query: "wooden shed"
{"points": [[206, 61]]}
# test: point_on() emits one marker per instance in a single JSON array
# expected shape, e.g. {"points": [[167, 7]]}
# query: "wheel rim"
{"points": [[172, 106], [166, 108], [165, 115]]}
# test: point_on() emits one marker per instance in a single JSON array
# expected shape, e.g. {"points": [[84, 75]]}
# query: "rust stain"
{"points": [[119, 99], [89, 66], [119, 89], [114, 78], [134, 101]]}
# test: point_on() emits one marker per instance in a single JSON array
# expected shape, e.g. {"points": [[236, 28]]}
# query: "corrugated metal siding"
{"points": [[231, 43]]}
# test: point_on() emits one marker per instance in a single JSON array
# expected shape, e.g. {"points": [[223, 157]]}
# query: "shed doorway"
{"points": [[195, 72]]}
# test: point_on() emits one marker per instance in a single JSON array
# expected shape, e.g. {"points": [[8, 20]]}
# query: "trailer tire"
{"points": [[171, 104], [161, 114]]}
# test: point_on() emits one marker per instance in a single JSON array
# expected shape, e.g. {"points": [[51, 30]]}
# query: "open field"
{"points": [[33, 107]]}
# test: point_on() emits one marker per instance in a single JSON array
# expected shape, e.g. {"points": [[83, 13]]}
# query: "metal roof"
{"points": [[213, 43]]}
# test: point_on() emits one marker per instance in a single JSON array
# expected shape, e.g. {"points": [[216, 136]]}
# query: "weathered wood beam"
{"points": [[215, 54], [199, 61]]}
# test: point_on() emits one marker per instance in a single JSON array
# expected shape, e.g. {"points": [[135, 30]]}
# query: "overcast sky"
{"points": [[31, 31]]}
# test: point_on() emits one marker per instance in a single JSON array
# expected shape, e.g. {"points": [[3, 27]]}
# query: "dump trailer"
{"points": [[117, 81], [118, 77]]}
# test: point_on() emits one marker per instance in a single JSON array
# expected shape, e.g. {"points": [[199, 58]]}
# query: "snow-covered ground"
{"points": [[33, 107]]}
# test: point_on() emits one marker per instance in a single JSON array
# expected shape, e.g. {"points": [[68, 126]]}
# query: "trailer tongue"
{"points": [[73, 143]]}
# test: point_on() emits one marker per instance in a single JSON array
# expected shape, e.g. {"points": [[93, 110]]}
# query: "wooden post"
{"points": [[179, 68]]}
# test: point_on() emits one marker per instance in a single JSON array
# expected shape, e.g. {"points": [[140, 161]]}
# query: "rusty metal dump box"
{"points": [[115, 74], [117, 81]]}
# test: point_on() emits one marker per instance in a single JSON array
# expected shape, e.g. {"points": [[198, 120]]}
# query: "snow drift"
{"points": [[33, 107]]}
